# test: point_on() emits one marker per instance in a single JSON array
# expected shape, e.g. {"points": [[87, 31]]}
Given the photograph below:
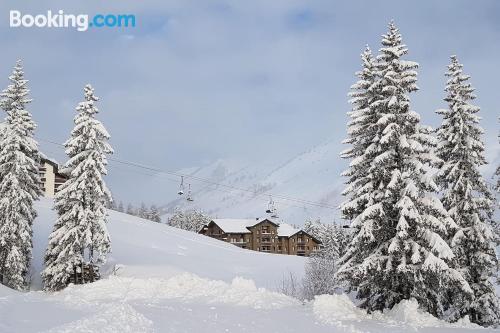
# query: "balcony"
{"points": [[239, 241]]}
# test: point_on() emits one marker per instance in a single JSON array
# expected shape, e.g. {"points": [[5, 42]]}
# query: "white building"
{"points": [[50, 177]]}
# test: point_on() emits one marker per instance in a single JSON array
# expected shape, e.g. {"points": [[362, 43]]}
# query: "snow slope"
{"points": [[142, 248], [175, 281], [311, 176]]}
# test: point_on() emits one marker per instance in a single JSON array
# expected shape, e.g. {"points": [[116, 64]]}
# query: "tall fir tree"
{"points": [[80, 235], [362, 130], [466, 196], [398, 251], [496, 224], [19, 183]]}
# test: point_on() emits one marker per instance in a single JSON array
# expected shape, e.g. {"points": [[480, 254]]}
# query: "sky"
{"points": [[197, 81]]}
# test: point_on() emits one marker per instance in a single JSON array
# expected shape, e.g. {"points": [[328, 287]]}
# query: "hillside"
{"points": [[145, 249], [170, 280], [312, 176]]}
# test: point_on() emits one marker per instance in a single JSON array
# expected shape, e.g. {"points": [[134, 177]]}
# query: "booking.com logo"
{"points": [[82, 22]]}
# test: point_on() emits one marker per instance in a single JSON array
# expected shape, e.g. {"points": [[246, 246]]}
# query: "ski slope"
{"points": [[160, 279], [311, 176], [145, 249]]}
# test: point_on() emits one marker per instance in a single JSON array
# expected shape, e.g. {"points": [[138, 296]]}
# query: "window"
{"points": [[307, 240]]}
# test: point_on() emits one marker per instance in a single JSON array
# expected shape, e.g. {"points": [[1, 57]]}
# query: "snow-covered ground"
{"points": [[168, 280]]}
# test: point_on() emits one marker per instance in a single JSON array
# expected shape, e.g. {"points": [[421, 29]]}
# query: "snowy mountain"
{"points": [[312, 176], [161, 279]]}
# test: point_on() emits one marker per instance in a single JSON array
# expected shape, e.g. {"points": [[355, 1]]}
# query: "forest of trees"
{"points": [[152, 213]]}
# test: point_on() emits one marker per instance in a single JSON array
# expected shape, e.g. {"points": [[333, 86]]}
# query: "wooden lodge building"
{"points": [[262, 235]]}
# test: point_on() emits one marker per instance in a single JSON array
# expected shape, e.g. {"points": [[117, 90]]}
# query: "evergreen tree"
{"points": [[191, 220], [120, 207], [19, 183], [130, 209], [398, 251], [334, 238], [80, 235], [143, 211], [362, 131], [154, 214], [466, 196]]}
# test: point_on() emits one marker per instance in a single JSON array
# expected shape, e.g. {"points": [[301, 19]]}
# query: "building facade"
{"points": [[50, 177], [263, 235]]}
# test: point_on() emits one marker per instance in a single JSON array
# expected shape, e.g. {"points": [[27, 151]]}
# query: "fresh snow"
{"points": [[142, 248], [170, 280], [301, 177]]}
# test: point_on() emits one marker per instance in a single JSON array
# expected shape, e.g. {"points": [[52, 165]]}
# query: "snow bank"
{"points": [[111, 319], [339, 309], [184, 287]]}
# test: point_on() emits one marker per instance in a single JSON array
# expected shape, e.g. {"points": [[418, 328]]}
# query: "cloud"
{"points": [[196, 81]]}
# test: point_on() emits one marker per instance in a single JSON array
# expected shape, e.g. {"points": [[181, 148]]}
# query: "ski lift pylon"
{"points": [[189, 197], [271, 208], [274, 213], [181, 187], [270, 205]]}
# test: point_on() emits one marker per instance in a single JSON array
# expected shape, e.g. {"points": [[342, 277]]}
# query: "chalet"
{"points": [[264, 235], [50, 176]]}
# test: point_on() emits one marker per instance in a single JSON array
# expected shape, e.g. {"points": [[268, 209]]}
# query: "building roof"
{"points": [[286, 230], [235, 226], [239, 226]]}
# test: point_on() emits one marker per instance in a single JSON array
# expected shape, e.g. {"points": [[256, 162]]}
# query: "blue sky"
{"points": [[200, 80]]}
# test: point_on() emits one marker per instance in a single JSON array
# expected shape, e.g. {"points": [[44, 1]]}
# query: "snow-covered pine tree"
{"points": [[496, 224], [191, 220], [334, 238], [130, 209], [398, 251], [19, 183], [362, 130], [154, 214], [80, 235], [143, 211], [322, 265], [466, 196], [120, 207]]}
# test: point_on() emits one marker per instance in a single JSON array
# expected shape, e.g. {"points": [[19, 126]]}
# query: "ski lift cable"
{"points": [[138, 165], [173, 179], [208, 181]]}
